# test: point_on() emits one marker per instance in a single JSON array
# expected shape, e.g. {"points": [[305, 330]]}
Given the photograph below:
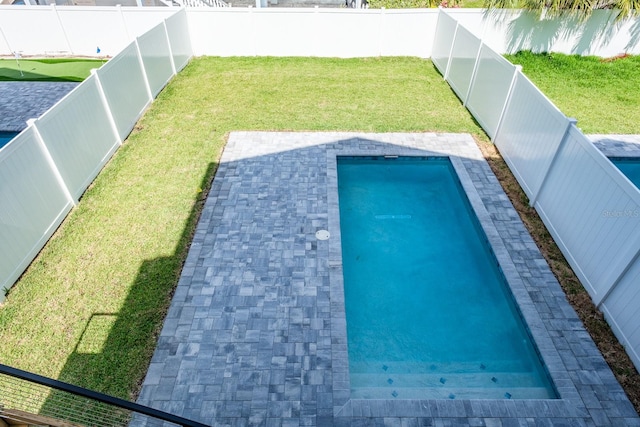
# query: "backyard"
{"points": [[89, 308]]}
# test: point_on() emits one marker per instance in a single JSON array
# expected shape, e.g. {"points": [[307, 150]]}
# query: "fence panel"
{"points": [[281, 32], [87, 34], [139, 20], [156, 57], [407, 32], [442, 41], [17, 24], [33, 205], [463, 59], [77, 30], [305, 32], [79, 136], [585, 203], [490, 89], [358, 36], [530, 133], [622, 309], [221, 31], [179, 40], [320, 32], [124, 86]]}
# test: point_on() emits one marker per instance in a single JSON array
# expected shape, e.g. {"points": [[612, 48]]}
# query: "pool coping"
{"points": [[241, 347]]}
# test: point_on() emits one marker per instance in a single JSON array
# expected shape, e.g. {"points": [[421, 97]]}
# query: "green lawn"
{"points": [[602, 94], [89, 308], [50, 70]]}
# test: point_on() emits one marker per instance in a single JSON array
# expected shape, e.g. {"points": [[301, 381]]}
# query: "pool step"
{"points": [[494, 385], [433, 367], [447, 393]]}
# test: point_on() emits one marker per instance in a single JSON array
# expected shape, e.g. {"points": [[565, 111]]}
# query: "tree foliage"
{"points": [[582, 8], [411, 4]]}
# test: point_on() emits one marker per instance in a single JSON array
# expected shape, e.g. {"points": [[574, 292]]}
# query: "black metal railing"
{"points": [[23, 393]]}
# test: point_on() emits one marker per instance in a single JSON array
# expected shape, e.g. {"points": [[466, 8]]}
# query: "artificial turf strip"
{"points": [[89, 308], [48, 69], [602, 93]]}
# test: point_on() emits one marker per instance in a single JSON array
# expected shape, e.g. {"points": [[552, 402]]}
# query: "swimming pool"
{"points": [[429, 314], [630, 167], [5, 137]]}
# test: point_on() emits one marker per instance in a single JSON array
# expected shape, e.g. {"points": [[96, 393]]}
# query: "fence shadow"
{"points": [[105, 350], [531, 31], [634, 39]]}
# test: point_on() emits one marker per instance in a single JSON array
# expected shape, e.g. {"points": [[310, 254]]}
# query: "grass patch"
{"points": [[48, 69], [601, 93], [89, 308]]}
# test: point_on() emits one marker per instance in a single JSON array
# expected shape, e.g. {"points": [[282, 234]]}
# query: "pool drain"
{"points": [[322, 235]]}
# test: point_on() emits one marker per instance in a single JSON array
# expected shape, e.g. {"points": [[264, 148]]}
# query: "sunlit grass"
{"points": [[90, 306], [601, 93]]}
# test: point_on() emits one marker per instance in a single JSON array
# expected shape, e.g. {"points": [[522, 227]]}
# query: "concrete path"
{"points": [[256, 332], [21, 101]]}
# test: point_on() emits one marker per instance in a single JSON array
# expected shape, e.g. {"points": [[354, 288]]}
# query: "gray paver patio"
{"points": [[617, 145], [256, 332], [21, 101]]}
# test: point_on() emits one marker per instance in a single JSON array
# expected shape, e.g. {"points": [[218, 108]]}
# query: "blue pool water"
{"points": [[5, 137], [428, 312], [630, 167]]}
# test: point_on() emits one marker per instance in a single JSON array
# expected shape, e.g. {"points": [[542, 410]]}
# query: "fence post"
{"points": [[4, 37], [534, 197], [316, 47], [380, 28], [254, 35], [51, 162], [453, 42], [144, 72], [473, 75], [124, 22], [616, 280], [166, 33], [517, 71], [105, 103], [64, 32]]}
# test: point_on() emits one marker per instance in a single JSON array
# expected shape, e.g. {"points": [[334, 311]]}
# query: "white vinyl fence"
{"points": [[590, 208], [322, 32], [327, 32], [47, 168], [510, 31], [74, 30]]}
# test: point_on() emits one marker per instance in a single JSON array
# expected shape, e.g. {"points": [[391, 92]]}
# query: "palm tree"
{"points": [[582, 8]]}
